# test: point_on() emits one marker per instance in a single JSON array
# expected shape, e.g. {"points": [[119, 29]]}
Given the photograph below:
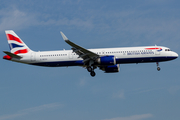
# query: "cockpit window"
{"points": [[167, 50]]}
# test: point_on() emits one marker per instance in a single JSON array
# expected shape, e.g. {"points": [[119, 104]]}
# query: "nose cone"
{"points": [[175, 55]]}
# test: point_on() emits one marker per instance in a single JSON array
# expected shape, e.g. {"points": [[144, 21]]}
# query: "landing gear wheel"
{"points": [[89, 69], [158, 68], [93, 73]]}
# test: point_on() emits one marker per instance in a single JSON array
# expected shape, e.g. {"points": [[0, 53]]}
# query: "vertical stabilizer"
{"points": [[17, 46]]}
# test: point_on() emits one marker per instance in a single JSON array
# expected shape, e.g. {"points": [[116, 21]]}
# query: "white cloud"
{"points": [[139, 26], [13, 18], [11, 116], [41, 108], [134, 117], [82, 82], [147, 90], [69, 22], [30, 111], [119, 94], [173, 89]]}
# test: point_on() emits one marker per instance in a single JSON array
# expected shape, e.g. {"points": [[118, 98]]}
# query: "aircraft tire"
{"points": [[89, 69], [158, 68], [93, 73]]}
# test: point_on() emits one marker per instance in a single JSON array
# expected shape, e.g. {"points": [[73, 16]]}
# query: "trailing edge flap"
{"points": [[82, 52], [12, 55]]}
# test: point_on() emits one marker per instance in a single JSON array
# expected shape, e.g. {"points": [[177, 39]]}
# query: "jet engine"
{"points": [[110, 68], [106, 60]]}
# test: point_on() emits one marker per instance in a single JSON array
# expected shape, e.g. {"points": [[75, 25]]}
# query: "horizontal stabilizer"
{"points": [[12, 55]]}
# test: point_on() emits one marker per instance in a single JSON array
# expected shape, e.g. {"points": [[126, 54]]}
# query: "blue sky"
{"points": [[137, 92]]}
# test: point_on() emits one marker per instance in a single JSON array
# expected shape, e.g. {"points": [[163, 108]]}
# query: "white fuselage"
{"points": [[122, 55]]}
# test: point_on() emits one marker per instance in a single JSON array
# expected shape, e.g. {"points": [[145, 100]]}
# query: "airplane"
{"points": [[106, 59]]}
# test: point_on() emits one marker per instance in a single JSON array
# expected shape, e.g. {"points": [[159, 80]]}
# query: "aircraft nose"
{"points": [[174, 54]]}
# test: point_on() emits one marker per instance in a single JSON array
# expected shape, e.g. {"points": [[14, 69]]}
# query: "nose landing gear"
{"points": [[158, 68]]}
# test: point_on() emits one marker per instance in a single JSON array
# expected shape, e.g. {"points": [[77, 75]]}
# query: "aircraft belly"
{"points": [[59, 63], [143, 59]]}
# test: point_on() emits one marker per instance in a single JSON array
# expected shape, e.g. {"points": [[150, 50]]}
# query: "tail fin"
{"points": [[17, 46]]}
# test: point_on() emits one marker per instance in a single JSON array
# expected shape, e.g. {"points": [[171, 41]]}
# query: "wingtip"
{"points": [[63, 36]]}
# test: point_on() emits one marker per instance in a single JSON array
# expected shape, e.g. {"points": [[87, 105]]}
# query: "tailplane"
{"points": [[17, 46], [10, 55]]}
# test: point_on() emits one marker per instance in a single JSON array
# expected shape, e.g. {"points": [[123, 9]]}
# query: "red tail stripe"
{"points": [[21, 51], [11, 37]]}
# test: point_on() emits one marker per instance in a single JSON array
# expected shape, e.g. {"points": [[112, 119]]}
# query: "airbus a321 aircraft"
{"points": [[106, 59]]}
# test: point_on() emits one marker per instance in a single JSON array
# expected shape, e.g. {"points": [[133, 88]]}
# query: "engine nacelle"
{"points": [[106, 60], [112, 68]]}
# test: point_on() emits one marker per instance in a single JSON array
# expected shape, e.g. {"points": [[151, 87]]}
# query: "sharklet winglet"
{"points": [[64, 37]]}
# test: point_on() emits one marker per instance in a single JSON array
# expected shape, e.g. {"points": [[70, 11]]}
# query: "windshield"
{"points": [[167, 50]]}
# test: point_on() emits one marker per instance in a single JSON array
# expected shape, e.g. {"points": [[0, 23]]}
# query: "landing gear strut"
{"points": [[158, 68]]}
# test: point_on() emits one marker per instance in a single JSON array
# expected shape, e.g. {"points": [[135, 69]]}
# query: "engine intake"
{"points": [[106, 60]]}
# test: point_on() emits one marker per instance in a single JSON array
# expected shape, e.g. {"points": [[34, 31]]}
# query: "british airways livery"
{"points": [[106, 59]]}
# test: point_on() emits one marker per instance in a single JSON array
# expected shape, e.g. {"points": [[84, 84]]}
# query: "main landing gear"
{"points": [[91, 70], [158, 68]]}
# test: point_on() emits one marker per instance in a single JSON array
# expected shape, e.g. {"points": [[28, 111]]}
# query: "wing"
{"points": [[83, 53]]}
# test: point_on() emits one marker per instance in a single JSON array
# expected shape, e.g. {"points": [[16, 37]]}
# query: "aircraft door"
{"points": [[70, 55], [157, 52]]}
